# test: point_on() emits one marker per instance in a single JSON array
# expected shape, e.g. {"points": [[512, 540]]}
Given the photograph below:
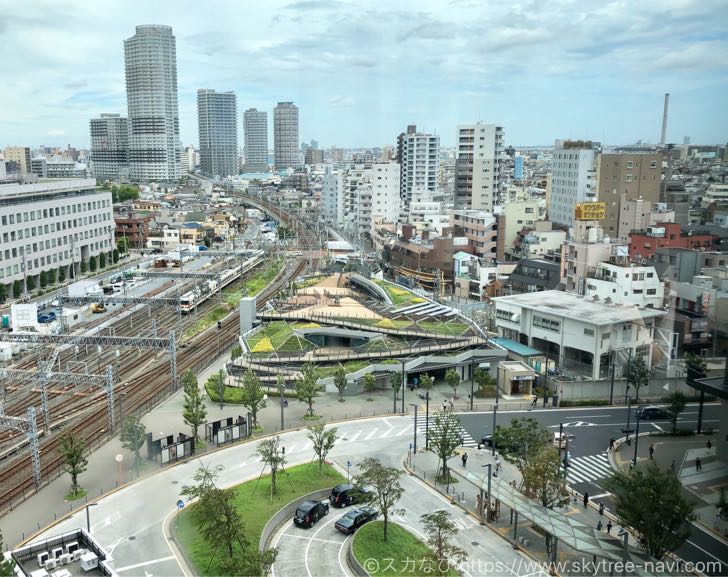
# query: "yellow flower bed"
{"points": [[385, 324], [398, 291], [417, 300], [308, 326], [263, 346]]}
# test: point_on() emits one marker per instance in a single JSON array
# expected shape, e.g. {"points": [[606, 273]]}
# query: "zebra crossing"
{"points": [[589, 468], [421, 424]]}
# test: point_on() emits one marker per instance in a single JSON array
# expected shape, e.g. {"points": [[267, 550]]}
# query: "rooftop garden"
{"points": [[279, 336], [455, 328], [401, 297]]}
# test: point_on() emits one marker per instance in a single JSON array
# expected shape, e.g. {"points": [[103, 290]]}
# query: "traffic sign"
{"points": [[180, 504]]}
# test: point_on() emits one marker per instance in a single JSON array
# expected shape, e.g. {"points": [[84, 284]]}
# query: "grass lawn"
{"points": [[399, 551], [256, 508], [262, 279], [209, 319], [400, 296], [280, 338], [351, 367], [234, 395]]}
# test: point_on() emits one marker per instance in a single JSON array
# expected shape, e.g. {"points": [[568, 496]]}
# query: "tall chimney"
{"points": [[664, 119]]}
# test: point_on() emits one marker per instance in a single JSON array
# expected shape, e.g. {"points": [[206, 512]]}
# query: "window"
{"points": [[642, 351], [651, 291], [650, 274], [548, 324], [589, 332], [630, 164], [653, 164], [629, 178]]}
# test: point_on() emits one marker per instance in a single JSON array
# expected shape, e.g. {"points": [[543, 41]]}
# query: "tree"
{"points": [[17, 289], [440, 530], [695, 367], [122, 244], [216, 382], [425, 381], [115, 253], [636, 491], [452, 378], [194, 411], [92, 264], [206, 241], [444, 438], [102, 260], [385, 487], [340, 381], [42, 279], [675, 405], [84, 267], [369, 384], [133, 436], [307, 386], [323, 441], [272, 454], [215, 513], [7, 567], [638, 376], [252, 395], [250, 561], [123, 193], [3, 293], [51, 276], [30, 283], [484, 380], [395, 380], [72, 449], [61, 274], [517, 443]]}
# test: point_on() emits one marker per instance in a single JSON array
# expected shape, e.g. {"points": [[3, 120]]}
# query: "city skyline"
{"points": [[359, 73]]}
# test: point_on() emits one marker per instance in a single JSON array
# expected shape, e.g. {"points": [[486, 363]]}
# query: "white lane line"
{"points": [[165, 523], [308, 546], [354, 437], [310, 538], [370, 435], [404, 431], [275, 545], [145, 563]]}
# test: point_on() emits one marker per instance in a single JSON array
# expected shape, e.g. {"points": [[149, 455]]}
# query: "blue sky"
{"points": [[361, 71]]}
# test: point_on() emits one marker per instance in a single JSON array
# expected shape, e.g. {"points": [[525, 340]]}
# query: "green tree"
{"points": [[425, 381], [51, 276], [395, 380], [386, 489], [695, 367], [639, 375], [3, 293], [369, 384], [17, 289], [675, 405], [340, 381], [72, 449], [250, 561], [216, 382], [520, 441], [207, 241], [123, 193], [194, 411], [84, 266], [7, 566], [444, 438], [133, 437], [102, 260], [307, 387], [440, 530], [115, 254], [662, 528], [92, 264], [271, 452], [452, 378], [484, 381], [236, 352], [30, 283], [323, 441], [122, 244], [61, 273], [252, 395], [42, 280]]}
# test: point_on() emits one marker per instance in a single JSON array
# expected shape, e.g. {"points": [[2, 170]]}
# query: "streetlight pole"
{"points": [[629, 412], [495, 410], [427, 420], [404, 383], [88, 517], [486, 505], [415, 443], [636, 439], [281, 389]]}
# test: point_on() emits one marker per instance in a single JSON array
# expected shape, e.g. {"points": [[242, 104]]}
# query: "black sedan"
{"points": [[355, 519], [652, 412], [309, 512]]}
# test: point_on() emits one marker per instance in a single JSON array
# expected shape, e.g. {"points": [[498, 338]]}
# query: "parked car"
{"points": [[345, 495], [309, 512], [355, 519], [652, 412], [48, 317]]}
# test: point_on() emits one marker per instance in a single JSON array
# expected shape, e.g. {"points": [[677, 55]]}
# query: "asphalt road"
{"points": [[589, 466]]}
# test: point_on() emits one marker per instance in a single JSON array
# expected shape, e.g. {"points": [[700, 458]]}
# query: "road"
{"points": [[589, 465], [131, 522]]}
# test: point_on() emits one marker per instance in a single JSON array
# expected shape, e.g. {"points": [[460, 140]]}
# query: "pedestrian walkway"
{"points": [[464, 438], [589, 468]]}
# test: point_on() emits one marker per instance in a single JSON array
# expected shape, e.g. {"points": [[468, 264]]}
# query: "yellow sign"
{"points": [[590, 211]]}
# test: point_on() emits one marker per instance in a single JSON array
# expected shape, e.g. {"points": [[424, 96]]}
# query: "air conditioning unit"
{"points": [[51, 564], [56, 552], [66, 558], [42, 558]]}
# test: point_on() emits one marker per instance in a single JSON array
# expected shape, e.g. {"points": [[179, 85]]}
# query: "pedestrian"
{"points": [[465, 460], [452, 403], [709, 445], [461, 438], [652, 451], [599, 525], [698, 464], [534, 400], [672, 466], [444, 406], [478, 505], [609, 527], [601, 509], [497, 465], [586, 500], [611, 444]]}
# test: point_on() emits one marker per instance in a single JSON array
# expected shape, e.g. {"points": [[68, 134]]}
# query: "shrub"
{"points": [[583, 403], [417, 300], [486, 391], [385, 324]]}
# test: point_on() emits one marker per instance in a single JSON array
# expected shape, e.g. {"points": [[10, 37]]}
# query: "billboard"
{"points": [[590, 211]]}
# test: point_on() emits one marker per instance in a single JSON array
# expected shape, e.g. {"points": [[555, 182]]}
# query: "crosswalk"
{"points": [[421, 424], [589, 468]]}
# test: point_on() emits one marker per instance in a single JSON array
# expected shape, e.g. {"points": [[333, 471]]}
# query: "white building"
{"points": [[385, 191], [478, 157], [573, 179], [57, 167], [539, 243], [480, 228], [581, 333], [519, 214], [217, 125], [419, 157], [150, 58], [715, 193], [626, 283], [49, 225], [110, 147], [332, 196]]}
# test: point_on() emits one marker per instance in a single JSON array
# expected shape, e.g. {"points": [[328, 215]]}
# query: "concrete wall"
{"points": [[600, 389]]}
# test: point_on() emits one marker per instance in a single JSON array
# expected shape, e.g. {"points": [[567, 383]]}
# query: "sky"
{"points": [[360, 71]]}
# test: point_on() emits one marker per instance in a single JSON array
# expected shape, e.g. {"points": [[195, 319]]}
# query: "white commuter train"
{"points": [[205, 290]]}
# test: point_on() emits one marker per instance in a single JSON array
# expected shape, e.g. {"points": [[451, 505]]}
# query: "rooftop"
{"points": [[569, 305], [516, 348]]}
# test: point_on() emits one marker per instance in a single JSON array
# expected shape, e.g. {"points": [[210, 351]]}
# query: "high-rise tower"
{"points": [[217, 122], [477, 165], [255, 125], [285, 135], [151, 94], [110, 147]]}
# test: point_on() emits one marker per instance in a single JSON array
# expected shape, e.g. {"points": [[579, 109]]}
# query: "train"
{"points": [[205, 290]]}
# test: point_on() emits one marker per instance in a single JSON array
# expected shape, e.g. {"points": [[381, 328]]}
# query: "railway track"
{"points": [[143, 391]]}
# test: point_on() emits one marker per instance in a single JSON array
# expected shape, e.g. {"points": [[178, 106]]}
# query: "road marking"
{"points": [[354, 437], [600, 496], [305, 555], [404, 431], [145, 563], [310, 538], [370, 435]]}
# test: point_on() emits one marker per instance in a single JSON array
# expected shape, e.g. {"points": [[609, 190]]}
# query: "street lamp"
{"points": [[427, 420], [415, 443], [629, 412], [636, 439], [495, 410], [88, 517], [404, 382]]}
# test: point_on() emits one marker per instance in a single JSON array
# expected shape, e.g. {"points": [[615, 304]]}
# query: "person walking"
{"points": [[601, 509], [709, 445], [586, 500], [534, 400], [609, 527], [652, 451], [478, 505], [465, 460], [611, 444], [599, 525], [497, 465], [698, 464]]}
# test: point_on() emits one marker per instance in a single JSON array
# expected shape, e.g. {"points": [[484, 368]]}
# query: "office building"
{"points": [[477, 165], [20, 156], [52, 225], [151, 92], [285, 136], [418, 155], [109, 147], [255, 126], [217, 123], [573, 178], [313, 156]]}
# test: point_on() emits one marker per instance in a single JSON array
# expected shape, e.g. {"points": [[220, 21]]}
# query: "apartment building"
{"points": [[638, 214], [285, 136], [516, 216], [255, 126], [585, 248], [624, 282], [481, 230], [642, 245], [110, 147], [478, 158], [20, 157], [573, 178], [716, 193], [52, 225], [418, 155], [217, 124]]}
